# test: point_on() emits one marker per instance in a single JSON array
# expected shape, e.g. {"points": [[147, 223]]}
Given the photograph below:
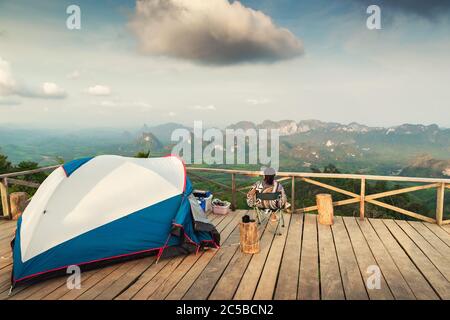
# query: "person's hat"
{"points": [[269, 172]]}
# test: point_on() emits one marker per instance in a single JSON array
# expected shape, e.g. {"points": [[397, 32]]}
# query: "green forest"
{"points": [[422, 202]]}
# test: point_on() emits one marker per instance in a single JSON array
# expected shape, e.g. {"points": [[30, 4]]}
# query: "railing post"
{"points": [[293, 195], [362, 204], [233, 191], [440, 204], [5, 198]]}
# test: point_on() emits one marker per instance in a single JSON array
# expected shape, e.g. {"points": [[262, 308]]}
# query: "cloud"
{"points": [[205, 108], [10, 87], [115, 103], [256, 102], [9, 102], [99, 90], [211, 32], [430, 9], [52, 90], [75, 74], [7, 82]]}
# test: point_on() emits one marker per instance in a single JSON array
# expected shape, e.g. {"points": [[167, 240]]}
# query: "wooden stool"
{"points": [[18, 202], [325, 208], [249, 237]]}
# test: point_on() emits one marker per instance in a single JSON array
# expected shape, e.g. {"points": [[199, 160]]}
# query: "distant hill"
{"points": [[148, 141], [355, 147], [163, 132], [426, 166], [304, 144]]}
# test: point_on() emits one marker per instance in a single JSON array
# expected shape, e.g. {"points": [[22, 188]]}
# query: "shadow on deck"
{"points": [[308, 261]]}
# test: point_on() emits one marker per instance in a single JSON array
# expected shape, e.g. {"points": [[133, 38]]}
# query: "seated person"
{"points": [[267, 185]]}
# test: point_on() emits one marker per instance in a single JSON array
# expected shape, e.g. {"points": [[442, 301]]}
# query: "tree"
{"points": [[331, 168], [142, 154], [5, 165], [36, 177]]}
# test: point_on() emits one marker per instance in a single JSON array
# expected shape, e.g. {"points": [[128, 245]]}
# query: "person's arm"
{"points": [[283, 195], [251, 196]]}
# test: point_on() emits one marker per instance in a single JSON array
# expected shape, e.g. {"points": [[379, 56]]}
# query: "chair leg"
{"points": [[277, 232], [258, 218], [282, 218]]}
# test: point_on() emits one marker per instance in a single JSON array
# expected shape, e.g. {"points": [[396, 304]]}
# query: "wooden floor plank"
{"points": [[5, 261], [151, 286], [432, 238], [394, 278], [153, 270], [287, 283], [63, 289], [130, 277], [121, 284], [97, 276], [267, 283], [103, 284], [5, 278], [440, 285], [308, 283], [229, 281], [250, 278], [446, 228], [330, 277], [167, 286], [183, 268], [366, 261], [187, 281], [204, 284], [8, 226], [48, 288], [412, 275], [441, 262], [439, 231], [147, 276], [354, 286], [309, 261], [39, 289]]}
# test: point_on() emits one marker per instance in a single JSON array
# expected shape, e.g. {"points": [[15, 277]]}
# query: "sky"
{"points": [[220, 61]]}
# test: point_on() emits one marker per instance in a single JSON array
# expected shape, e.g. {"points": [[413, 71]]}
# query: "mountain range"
{"points": [[407, 149]]}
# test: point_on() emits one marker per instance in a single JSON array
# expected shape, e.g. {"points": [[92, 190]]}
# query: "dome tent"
{"points": [[95, 210]]}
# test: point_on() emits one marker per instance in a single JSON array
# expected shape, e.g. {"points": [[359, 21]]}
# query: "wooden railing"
{"points": [[362, 198], [8, 179]]}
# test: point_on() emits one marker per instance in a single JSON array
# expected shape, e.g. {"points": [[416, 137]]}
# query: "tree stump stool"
{"points": [[325, 208], [18, 201], [249, 237]]}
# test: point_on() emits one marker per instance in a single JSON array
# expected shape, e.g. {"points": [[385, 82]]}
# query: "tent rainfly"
{"points": [[96, 210]]}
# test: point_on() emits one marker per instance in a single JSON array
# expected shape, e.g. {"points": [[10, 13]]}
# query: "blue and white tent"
{"points": [[106, 208]]}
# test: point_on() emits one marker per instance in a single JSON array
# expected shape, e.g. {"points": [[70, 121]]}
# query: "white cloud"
{"points": [[99, 90], [7, 82], [115, 103], [75, 74], [50, 89], [171, 114], [211, 32], [10, 87], [9, 102], [256, 102], [205, 108]]}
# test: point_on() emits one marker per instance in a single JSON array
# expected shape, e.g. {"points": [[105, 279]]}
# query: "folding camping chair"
{"points": [[265, 213]]}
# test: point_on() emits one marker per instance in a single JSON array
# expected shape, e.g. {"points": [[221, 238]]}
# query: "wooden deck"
{"points": [[308, 261]]}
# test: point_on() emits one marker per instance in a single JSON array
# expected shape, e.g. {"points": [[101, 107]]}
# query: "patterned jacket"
{"points": [[262, 187]]}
